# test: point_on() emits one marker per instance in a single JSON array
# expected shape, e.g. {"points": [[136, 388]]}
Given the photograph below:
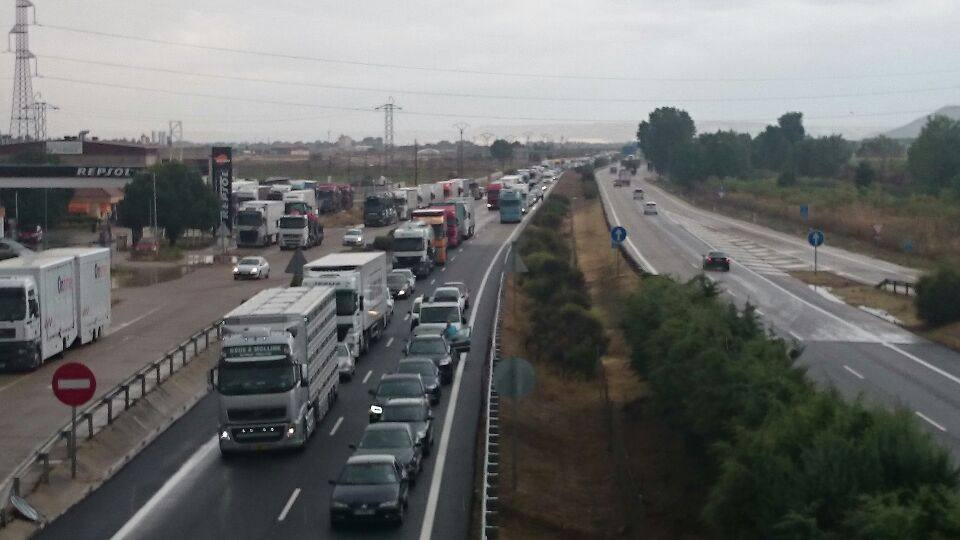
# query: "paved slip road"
{"points": [[180, 487], [147, 322], [845, 347]]}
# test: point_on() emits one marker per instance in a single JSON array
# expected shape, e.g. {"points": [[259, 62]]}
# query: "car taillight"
{"points": [[709, 259]]}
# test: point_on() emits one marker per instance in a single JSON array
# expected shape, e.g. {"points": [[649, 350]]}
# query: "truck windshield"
{"points": [[439, 314], [13, 304], [408, 244], [294, 222], [374, 205], [346, 302], [509, 203], [248, 218], [256, 378]]}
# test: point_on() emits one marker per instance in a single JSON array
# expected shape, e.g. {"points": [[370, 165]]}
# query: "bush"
{"points": [[383, 243], [938, 296]]}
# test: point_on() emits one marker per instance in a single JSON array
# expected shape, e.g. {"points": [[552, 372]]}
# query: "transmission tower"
{"points": [[175, 138], [388, 109], [486, 138], [461, 126], [23, 113], [528, 135], [40, 109]]}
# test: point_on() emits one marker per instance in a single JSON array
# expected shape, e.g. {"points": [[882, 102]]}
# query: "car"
{"points": [[716, 260], [10, 249], [415, 311], [346, 362], [650, 208], [436, 316], [638, 194], [31, 235], [448, 294], [370, 487], [416, 413], [390, 303], [396, 439], [434, 346], [399, 286], [252, 268], [396, 385], [464, 291], [407, 273], [353, 237], [428, 371]]}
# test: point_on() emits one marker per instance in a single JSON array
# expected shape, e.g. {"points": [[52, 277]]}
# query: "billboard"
{"points": [[221, 177]]}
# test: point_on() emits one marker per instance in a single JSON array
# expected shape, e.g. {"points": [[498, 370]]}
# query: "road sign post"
{"points": [[73, 384], [815, 238], [617, 235]]}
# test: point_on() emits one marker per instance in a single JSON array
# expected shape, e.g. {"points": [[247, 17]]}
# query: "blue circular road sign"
{"points": [[618, 234], [815, 238]]}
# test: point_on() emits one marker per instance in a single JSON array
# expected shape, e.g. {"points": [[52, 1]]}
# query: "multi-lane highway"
{"points": [[845, 347], [180, 486]]}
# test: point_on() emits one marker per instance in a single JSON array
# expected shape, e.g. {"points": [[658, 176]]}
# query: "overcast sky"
{"points": [[739, 61]]}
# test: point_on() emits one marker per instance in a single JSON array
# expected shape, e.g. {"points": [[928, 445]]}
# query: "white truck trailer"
{"points": [[277, 376], [51, 301], [360, 281], [258, 223]]}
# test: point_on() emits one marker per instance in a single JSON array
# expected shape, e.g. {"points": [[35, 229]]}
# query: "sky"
{"points": [[507, 68]]}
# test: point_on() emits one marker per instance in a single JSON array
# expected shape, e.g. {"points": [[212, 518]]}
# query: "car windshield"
{"points": [[404, 413], [256, 378], [439, 314], [427, 346], [353, 232], [403, 388], [396, 279], [385, 438], [425, 369], [446, 296], [357, 474], [249, 262], [13, 306]]}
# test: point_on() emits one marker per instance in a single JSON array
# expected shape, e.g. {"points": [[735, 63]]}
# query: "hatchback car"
{"points": [[399, 286], [449, 294], [31, 235], [716, 260], [650, 209], [433, 346], [638, 194], [396, 439], [369, 488], [252, 268], [407, 273], [464, 291], [416, 413], [396, 385], [353, 237], [428, 371], [346, 363]]}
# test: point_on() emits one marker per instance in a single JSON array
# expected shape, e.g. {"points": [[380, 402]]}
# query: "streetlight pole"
{"points": [[460, 126], [416, 163], [156, 222]]}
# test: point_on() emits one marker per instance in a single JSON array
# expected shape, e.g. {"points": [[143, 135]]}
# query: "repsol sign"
{"points": [[61, 171], [221, 176], [107, 172]]}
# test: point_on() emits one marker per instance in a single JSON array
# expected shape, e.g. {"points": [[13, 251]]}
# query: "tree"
{"points": [[933, 159], [791, 125], [771, 149], [864, 175], [725, 153], [688, 168], [880, 147], [663, 135], [183, 202], [501, 150], [822, 156]]}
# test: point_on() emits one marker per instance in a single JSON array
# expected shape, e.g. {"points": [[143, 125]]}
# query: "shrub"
{"points": [[383, 243], [938, 296]]}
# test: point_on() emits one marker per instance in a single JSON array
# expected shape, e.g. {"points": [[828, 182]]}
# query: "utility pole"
{"points": [[23, 114], [156, 222], [175, 138], [416, 163], [388, 108], [460, 126], [486, 138], [40, 114]]}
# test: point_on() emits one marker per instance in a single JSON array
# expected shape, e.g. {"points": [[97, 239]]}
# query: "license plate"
{"points": [[364, 511]]}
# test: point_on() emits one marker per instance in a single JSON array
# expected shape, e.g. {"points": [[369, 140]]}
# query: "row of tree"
{"points": [[669, 141], [784, 460]]}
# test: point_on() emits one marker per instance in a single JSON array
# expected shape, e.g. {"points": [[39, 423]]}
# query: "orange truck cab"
{"points": [[437, 219]]}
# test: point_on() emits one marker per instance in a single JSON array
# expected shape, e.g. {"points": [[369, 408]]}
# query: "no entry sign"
{"points": [[74, 384]]}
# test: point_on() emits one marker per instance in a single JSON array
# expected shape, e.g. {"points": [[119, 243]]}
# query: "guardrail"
{"points": [[101, 413], [896, 284], [489, 502]]}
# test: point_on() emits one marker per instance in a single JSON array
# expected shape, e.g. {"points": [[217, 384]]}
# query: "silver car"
{"points": [[353, 237], [252, 268], [346, 363]]}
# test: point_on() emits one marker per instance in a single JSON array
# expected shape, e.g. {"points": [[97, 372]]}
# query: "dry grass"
{"points": [[348, 218]]}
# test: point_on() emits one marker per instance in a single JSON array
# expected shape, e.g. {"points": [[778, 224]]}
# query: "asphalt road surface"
{"points": [[845, 347], [179, 486]]}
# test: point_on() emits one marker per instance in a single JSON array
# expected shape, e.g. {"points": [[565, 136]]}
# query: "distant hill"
{"points": [[912, 130]]}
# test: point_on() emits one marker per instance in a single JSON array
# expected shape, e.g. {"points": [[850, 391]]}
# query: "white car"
{"points": [[415, 311], [252, 268], [650, 208], [353, 237], [449, 294], [346, 362]]}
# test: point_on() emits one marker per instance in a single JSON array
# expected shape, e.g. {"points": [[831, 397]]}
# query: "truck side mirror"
{"points": [[213, 377], [34, 308], [304, 375], [361, 302]]}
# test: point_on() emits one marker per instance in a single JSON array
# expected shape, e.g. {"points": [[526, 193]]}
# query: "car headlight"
{"points": [[291, 430], [253, 270], [375, 409], [225, 435], [401, 292], [445, 361], [236, 270], [389, 505], [338, 504]]}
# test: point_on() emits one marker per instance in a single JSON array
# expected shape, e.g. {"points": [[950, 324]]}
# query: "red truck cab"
{"points": [[493, 196]]}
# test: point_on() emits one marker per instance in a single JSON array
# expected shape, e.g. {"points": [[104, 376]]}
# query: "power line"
{"points": [[461, 71], [506, 97]]}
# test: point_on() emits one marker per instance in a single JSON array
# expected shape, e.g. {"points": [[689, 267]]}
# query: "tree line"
{"points": [[670, 143]]}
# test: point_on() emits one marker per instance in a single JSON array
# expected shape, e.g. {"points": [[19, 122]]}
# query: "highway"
{"points": [[180, 487], [845, 347]]}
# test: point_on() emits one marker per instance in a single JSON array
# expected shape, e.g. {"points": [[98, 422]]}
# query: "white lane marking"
{"points": [[794, 335], [931, 422], [444, 269], [695, 267], [453, 258], [406, 316], [120, 327], [389, 342], [336, 426], [434, 280], [758, 312], [629, 240], [429, 514], [186, 471], [290, 501], [854, 372], [367, 376], [731, 293], [923, 363]]}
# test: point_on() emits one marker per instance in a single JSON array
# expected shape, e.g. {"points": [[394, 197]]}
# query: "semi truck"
{"points": [[378, 210], [436, 218], [303, 200], [329, 199], [257, 223], [298, 230], [464, 214], [277, 375], [493, 195], [50, 302], [360, 282], [511, 206], [412, 247]]}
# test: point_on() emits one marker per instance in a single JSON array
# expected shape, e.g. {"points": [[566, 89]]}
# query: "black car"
{"points": [[716, 260], [428, 371], [399, 286], [436, 348], [396, 385], [369, 488], [416, 413], [396, 439]]}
